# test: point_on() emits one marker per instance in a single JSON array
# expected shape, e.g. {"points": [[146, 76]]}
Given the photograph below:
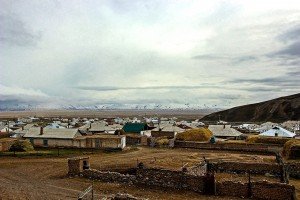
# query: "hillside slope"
{"points": [[275, 110]]}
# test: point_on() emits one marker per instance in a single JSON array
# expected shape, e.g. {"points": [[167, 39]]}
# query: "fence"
{"points": [[87, 194]]}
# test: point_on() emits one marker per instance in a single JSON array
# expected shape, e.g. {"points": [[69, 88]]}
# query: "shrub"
{"points": [[162, 141], [199, 134], [252, 139], [21, 146], [294, 143]]}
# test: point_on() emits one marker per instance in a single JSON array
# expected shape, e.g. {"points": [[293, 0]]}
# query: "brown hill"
{"points": [[275, 110]]}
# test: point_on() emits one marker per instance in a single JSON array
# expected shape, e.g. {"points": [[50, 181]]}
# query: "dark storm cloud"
{"points": [[13, 31]]}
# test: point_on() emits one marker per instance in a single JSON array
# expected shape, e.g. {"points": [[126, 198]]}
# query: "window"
{"points": [[45, 143], [31, 141]]}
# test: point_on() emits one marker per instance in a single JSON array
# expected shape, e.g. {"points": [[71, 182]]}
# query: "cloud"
{"points": [[136, 52], [226, 58], [111, 88], [293, 34], [14, 32], [292, 50], [291, 40]]}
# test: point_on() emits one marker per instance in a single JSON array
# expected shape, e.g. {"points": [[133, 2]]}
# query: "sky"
{"points": [[169, 54]]}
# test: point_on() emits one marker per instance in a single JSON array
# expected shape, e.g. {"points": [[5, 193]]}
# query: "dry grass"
{"points": [[199, 134]]}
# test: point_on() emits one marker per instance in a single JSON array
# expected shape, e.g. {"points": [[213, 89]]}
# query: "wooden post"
{"points": [[93, 190], [249, 184]]}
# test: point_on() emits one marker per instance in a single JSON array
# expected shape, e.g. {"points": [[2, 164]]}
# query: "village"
{"points": [[123, 150]]}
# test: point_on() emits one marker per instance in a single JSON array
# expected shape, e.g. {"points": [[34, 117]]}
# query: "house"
{"points": [[167, 130], [265, 127], [224, 131], [101, 141], [293, 126], [55, 126], [22, 131], [71, 138], [5, 129], [278, 131], [49, 137], [135, 127]]}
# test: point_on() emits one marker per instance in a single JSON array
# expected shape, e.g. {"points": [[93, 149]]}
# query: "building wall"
{"points": [[38, 142], [106, 142], [169, 134]]}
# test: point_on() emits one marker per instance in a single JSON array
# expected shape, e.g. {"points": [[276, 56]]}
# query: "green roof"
{"points": [[135, 127]]}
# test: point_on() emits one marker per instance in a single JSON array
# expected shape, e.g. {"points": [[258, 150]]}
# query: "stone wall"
{"points": [[171, 179], [109, 176], [267, 190], [294, 169], [261, 148], [204, 184], [255, 168], [244, 167], [76, 165], [230, 188], [256, 190], [295, 152]]}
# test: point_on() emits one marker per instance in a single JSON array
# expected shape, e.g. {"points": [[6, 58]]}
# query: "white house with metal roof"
{"points": [[278, 131]]}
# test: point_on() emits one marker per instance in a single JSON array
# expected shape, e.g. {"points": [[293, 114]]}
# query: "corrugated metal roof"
{"points": [[135, 127], [224, 131], [34, 132], [279, 131], [169, 128], [102, 127]]}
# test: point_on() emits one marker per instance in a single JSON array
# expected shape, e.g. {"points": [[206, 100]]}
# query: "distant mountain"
{"points": [[276, 110]]}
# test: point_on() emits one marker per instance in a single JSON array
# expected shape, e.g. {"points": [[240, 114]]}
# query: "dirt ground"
{"points": [[181, 114], [45, 178]]}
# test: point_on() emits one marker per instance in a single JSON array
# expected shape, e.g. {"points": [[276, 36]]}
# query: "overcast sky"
{"points": [[170, 53]]}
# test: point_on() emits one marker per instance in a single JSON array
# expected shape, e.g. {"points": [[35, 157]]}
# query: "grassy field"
{"points": [[44, 177]]}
